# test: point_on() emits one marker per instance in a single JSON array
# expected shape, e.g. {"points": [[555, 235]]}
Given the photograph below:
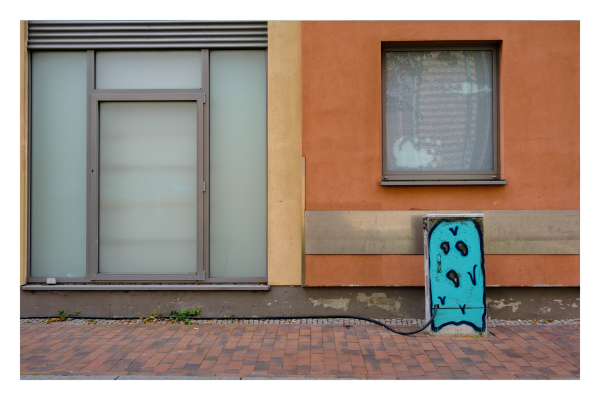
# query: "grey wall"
{"points": [[401, 232], [523, 303]]}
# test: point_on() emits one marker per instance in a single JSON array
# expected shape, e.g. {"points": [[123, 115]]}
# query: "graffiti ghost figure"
{"points": [[457, 274]]}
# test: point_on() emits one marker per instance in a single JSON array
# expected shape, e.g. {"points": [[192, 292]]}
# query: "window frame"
{"points": [[94, 96], [479, 177], [142, 95]]}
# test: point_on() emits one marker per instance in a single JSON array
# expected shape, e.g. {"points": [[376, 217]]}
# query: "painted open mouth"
{"points": [[453, 276]]}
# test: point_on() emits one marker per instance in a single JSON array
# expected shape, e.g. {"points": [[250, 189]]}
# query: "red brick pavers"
{"points": [[306, 351]]}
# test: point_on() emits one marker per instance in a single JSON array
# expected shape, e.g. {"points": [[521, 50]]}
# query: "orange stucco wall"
{"points": [[341, 116], [539, 135], [407, 270]]}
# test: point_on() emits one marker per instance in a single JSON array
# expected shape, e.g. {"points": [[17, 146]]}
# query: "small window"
{"points": [[440, 115]]}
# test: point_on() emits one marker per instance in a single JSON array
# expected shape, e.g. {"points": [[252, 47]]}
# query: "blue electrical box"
{"points": [[455, 274]]}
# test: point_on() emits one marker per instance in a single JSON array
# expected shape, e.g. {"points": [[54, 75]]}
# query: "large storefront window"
{"points": [[238, 164], [148, 165], [58, 164]]}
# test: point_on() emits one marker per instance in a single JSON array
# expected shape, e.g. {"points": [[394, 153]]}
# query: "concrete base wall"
{"points": [[406, 302]]}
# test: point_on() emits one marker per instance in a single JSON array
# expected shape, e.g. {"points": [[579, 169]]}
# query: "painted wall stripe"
{"points": [[401, 232], [284, 154], [510, 270]]}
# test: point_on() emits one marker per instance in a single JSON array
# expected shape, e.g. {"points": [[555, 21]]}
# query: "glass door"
{"points": [[148, 156]]}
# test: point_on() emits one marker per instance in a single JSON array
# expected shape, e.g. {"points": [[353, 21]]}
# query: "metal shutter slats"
{"points": [[52, 35], [142, 34]]}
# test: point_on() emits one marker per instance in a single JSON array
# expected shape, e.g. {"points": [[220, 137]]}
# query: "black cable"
{"points": [[389, 328]]}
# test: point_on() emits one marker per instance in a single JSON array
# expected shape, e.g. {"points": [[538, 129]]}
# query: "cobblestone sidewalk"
{"points": [[511, 351]]}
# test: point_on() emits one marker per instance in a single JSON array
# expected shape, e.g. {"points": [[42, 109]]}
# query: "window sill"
{"points": [[442, 183], [86, 287]]}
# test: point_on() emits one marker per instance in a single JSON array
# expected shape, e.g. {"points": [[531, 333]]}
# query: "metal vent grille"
{"points": [[55, 35]]}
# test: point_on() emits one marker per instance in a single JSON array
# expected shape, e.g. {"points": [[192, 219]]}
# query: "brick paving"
{"points": [[491, 322], [536, 351]]}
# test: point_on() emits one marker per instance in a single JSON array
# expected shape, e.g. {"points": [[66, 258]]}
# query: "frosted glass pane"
{"points": [[238, 164], [148, 187], [58, 164], [439, 111], [148, 69]]}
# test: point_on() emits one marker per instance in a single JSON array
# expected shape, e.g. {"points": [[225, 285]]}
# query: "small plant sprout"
{"points": [[177, 316]]}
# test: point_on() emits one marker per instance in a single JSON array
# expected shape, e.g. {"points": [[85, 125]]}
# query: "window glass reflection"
{"points": [[439, 110]]}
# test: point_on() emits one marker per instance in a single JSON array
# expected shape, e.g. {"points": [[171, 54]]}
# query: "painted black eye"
{"points": [[462, 247], [445, 246]]}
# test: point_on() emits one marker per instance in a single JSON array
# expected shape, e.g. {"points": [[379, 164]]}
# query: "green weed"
{"points": [[177, 316], [63, 315]]}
